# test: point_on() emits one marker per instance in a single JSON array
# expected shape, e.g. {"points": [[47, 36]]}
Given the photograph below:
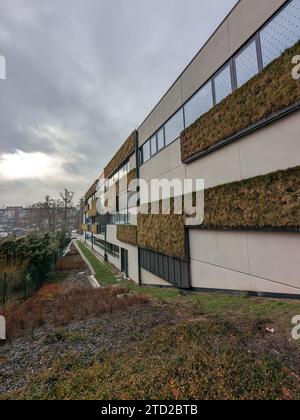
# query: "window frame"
{"points": [[228, 64], [255, 39], [259, 31], [181, 109], [194, 95]]}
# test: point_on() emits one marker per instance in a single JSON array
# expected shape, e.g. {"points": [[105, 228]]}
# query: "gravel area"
{"points": [[86, 341]]}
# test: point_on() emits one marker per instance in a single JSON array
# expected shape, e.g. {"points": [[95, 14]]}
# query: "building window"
{"points": [[161, 139], [246, 64], [174, 127], [223, 85], [281, 33], [200, 103], [153, 145], [146, 152]]}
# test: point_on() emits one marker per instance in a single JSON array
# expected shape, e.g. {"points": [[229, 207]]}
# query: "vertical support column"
{"points": [[137, 160]]}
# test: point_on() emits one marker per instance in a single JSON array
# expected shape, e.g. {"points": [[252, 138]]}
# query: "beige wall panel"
{"points": [[247, 18], [275, 256], [164, 110], [269, 149], [266, 286], [212, 277], [219, 167], [207, 62], [132, 253], [223, 249], [150, 279]]}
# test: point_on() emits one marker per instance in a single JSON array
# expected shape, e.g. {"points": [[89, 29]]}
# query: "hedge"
{"points": [[127, 234], [162, 233], [271, 91], [122, 154]]}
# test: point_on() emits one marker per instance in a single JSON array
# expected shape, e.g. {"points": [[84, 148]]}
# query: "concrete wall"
{"points": [[245, 19], [132, 253], [152, 280], [246, 261]]}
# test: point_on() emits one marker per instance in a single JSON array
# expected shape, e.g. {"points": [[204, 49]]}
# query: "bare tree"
{"points": [[67, 201]]}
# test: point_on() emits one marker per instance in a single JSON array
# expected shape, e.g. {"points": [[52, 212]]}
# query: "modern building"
{"points": [[231, 118]]}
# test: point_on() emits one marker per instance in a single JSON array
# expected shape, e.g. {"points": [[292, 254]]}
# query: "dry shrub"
{"points": [[269, 92], [71, 262], [58, 304]]}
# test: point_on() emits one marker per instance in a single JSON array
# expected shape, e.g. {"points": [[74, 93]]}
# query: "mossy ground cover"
{"points": [[215, 346], [209, 356]]}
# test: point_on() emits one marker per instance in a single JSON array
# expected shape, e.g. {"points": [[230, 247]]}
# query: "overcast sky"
{"points": [[81, 75]]}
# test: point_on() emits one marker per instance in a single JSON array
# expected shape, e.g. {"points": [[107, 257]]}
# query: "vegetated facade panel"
{"points": [[162, 233], [92, 190], [271, 91], [122, 154], [270, 201], [127, 234]]}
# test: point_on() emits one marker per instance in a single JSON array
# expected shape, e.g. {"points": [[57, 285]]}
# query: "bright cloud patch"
{"points": [[21, 165]]}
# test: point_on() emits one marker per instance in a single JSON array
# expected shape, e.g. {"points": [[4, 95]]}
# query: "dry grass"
{"points": [[58, 304], [71, 262], [269, 92]]}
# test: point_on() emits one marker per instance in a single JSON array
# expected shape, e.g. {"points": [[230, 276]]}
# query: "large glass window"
{"points": [[146, 151], [200, 103], [246, 64], [174, 127], [161, 139], [153, 146], [223, 84], [281, 33]]}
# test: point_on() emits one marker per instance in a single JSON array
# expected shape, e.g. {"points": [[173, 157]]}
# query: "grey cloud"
{"points": [[91, 70]]}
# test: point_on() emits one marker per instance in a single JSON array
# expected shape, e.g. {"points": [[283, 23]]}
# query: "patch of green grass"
{"points": [[104, 273], [62, 335], [155, 292]]}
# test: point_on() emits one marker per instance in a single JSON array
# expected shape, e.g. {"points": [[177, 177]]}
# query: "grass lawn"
{"points": [[104, 274]]}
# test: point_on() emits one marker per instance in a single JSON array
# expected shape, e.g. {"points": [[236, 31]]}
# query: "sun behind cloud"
{"points": [[21, 165]]}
